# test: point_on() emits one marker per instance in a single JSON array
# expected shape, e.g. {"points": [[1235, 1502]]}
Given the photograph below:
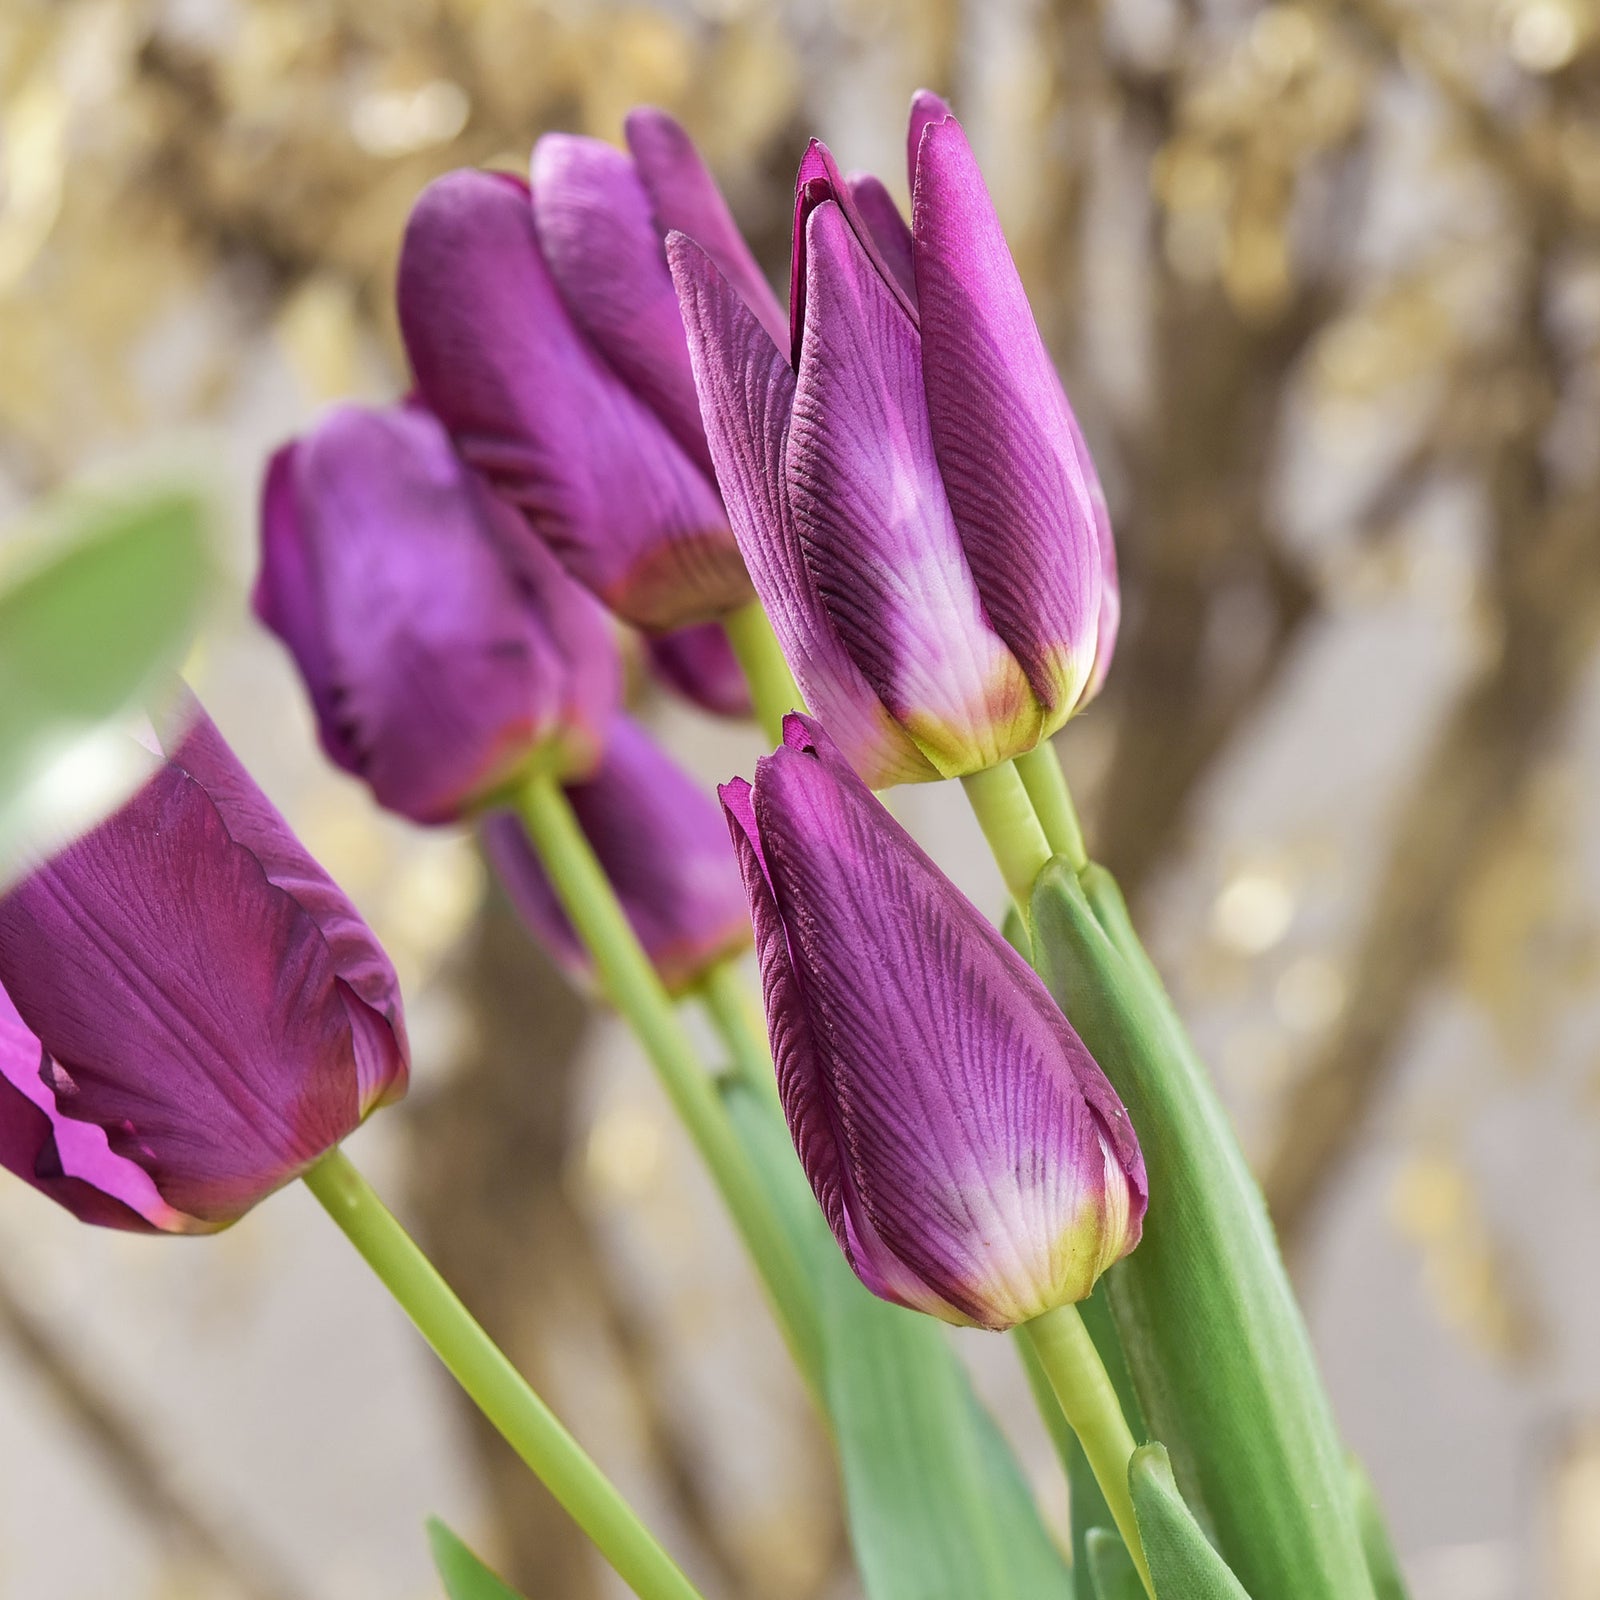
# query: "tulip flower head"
{"points": [[445, 653], [664, 847], [970, 1156], [906, 479], [699, 664], [191, 1013], [544, 330]]}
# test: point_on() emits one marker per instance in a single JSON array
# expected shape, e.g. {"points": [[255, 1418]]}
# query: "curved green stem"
{"points": [[772, 686], [634, 987], [499, 1391], [739, 1024], [1088, 1401], [1047, 788], [1004, 810]]}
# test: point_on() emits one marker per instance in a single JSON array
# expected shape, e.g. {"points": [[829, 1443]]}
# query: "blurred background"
{"points": [[1324, 279]]}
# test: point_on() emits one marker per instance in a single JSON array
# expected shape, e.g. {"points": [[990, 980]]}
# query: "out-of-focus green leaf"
{"points": [[1382, 1562], [1183, 1564], [938, 1508], [84, 636], [1109, 1570], [464, 1576], [1213, 1337]]}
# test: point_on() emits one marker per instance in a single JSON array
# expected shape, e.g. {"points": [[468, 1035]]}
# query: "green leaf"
{"points": [[938, 1508], [464, 1576], [1110, 1569], [1183, 1565], [84, 637], [1213, 1337], [1382, 1562]]}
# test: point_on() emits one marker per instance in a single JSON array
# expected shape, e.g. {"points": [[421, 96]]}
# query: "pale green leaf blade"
{"points": [[1110, 1572], [1183, 1564], [1213, 1336], [464, 1576]]}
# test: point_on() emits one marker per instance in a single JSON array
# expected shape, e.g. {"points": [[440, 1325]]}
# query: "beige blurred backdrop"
{"points": [[1325, 282]]}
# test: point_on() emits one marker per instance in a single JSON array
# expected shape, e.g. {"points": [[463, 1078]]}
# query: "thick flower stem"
{"points": [[494, 1384], [739, 1025], [1004, 809], [772, 687], [1047, 788], [1088, 1401], [632, 985]]}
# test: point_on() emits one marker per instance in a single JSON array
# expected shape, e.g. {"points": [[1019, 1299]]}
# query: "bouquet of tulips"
{"points": [[873, 525]]}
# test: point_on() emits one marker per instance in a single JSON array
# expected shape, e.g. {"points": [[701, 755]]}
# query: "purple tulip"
{"points": [[910, 489], [700, 664], [191, 1013], [663, 846], [444, 651], [545, 331], [971, 1158]]}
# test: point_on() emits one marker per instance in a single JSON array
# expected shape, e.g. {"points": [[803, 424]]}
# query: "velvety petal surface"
{"points": [[1007, 448], [286, 598], [890, 231], [662, 843], [818, 182], [957, 1126], [598, 233], [438, 682], [746, 396], [685, 199], [597, 475], [69, 1161], [370, 991], [700, 664], [192, 1009], [874, 525]]}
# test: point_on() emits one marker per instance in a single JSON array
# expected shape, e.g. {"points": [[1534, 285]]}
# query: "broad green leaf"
{"points": [[84, 636], [1109, 1570], [1382, 1562], [464, 1576], [938, 1508], [1183, 1566], [1213, 1337]]}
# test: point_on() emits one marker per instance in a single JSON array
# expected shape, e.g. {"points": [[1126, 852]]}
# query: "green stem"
{"points": [[494, 1384], [1084, 1391], [772, 687], [635, 989], [741, 1028], [1004, 810], [1047, 788]]}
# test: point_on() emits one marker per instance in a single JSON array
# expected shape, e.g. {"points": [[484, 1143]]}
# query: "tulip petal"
{"points": [[593, 470], [69, 1161], [203, 1043], [286, 599], [890, 231], [746, 394], [700, 664], [927, 108], [686, 199], [1007, 451], [986, 1150], [439, 679], [372, 1001], [875, 528], [598, 233]]}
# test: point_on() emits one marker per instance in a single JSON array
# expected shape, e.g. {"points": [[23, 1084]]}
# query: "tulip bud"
{"points": [[445, 652], [191, 1013], [970, 1156], [545, 331], [700, 664], [910, 489], [662, 844]]}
